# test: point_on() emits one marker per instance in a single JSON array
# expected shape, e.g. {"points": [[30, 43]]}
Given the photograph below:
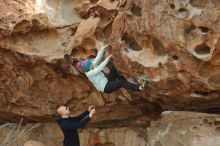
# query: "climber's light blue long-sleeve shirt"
{"points": [[96, 76]]}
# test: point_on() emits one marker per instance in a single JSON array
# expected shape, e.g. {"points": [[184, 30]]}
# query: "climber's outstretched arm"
{"points": [[99, 55], [99, 68]]}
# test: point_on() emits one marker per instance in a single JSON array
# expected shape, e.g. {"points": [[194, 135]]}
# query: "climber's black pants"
{"points": [[116, 81]]}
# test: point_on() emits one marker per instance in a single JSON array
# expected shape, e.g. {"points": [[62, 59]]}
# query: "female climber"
{"points": [[106, 83]]}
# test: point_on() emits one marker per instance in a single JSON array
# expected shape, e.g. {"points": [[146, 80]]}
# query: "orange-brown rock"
{"points": [[33, 143], [51, 135], [184, 129], [173, 43], [175, 128]]}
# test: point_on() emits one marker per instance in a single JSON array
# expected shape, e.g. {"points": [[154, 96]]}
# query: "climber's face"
{"points": [[63, 110], [91, 67], [81, 70]]}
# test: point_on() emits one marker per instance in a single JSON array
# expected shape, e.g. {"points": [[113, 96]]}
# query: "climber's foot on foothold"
{"points": [[143, 85]]}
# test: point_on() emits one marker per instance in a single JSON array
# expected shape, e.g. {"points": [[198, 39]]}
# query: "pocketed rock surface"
{"points": [[175, 44]]}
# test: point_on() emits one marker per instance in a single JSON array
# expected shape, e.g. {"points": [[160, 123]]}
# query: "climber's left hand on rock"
{"points": [[105, 46]]}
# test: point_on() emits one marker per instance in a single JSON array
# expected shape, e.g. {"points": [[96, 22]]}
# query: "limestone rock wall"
{"points": [[184, 129], [173, 43], [50, 134], [173, 129], [35, 77]]}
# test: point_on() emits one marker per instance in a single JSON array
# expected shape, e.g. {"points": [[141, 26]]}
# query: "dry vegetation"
{"points": [[16, 133]]}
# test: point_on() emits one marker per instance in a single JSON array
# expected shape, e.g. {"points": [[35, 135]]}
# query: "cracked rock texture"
{"points": [[33, 143], [175, 44], [185, 129], [50, 135], [174, 129]]}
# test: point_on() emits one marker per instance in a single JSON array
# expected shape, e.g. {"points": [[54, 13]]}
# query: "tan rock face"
{"points": [[34, 74], [33, 89], [174, 43], [175, 128], [51, 135], [33, 143], [185, 129]]}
